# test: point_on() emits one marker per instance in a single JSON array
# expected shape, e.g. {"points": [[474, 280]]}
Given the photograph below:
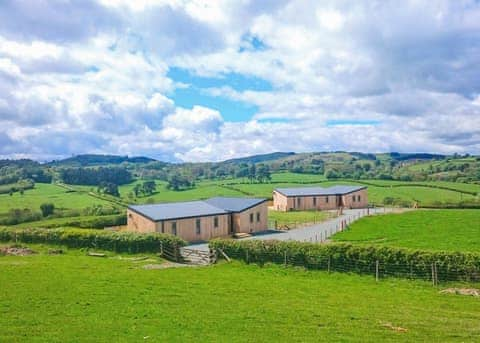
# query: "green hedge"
{"points": [[352, 258], [123, 242]]}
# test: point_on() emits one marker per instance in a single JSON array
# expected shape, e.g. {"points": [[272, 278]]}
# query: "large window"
{"points": [[314, 201], [198, 226], [215, 222], [251, 217], [358, 198], [163, 227], [258, 217], [174, 228], [326, 199]]}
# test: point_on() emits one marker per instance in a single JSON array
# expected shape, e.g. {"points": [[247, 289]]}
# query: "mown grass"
{"points": [[296, 218], [453, 230], [75, 298]]}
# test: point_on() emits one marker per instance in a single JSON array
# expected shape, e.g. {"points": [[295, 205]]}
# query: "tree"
{"points": [[47, 209], [263, 173], [252, 172], [149, 187], [137, 189], [108, 188]]}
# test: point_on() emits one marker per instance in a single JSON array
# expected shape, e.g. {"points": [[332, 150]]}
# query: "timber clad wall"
{"points": [[358, 199], [139, 223], [242, 222], [186, 228]]}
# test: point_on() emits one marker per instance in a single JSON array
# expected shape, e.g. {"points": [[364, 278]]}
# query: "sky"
{"points": [[211, 80]]}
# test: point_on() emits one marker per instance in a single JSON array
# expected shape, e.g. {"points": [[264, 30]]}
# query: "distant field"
{"points": [[60, 197], [378, 191], [201, 191], [452, 230], [423, 195], [75, 298]]}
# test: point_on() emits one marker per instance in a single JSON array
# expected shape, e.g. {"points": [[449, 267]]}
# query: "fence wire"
{"points": [[435, 271]]}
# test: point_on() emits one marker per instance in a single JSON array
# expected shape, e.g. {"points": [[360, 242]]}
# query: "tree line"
{"points": [[96, 176]]}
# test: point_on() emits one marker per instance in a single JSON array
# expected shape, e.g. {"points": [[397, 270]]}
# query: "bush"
{"points": [[47, 209], [18, 215], [122, 242], [352, 258]]}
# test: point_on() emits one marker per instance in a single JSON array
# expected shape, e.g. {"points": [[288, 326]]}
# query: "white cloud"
{"points": [[98, 72]]}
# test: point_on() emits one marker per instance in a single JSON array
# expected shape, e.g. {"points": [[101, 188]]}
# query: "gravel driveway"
{"points": [[314, 233]]}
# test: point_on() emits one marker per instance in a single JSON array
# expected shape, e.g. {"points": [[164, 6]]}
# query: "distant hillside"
{"points": [[260, 158], [97, 160]]}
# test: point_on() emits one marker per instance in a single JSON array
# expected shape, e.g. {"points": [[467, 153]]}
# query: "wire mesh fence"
{"points": [[435, 271]]}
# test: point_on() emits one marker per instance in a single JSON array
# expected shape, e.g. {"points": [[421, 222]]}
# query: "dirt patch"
{"points": [[55, 251], [394, 328], [462, 291], [16, 251]]}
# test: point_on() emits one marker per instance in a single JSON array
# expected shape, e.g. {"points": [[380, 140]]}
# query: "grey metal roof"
{"points": [[177, 210], [209, 207], [234, 204], [305, 191]]}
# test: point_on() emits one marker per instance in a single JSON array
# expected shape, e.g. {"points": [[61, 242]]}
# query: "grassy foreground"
{"points": [[72, 297], [453, 230]]}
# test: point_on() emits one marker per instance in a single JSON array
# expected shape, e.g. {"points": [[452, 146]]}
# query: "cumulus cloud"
{"points": [[391, 76]]}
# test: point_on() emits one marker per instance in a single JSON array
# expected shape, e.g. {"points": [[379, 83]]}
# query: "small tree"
{"points": [[47, 209], [149, 187]]}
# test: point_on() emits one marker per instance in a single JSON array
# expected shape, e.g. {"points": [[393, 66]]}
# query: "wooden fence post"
{"points": [[285, 258], [247, 254], [329, 262], [161, 248], [433, 275], [376, 270]]}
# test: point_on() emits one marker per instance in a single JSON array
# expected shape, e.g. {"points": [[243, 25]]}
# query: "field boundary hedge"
{"points": [[121, 242], [376, 260], [87, 222]]}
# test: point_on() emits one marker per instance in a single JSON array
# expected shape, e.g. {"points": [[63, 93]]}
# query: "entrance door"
{"points": [[230, 224]]}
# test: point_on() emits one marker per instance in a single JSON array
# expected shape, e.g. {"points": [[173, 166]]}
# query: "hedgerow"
{"points": [[355, 258], [122, 242]]}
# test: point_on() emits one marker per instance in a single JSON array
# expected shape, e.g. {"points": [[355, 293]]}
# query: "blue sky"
{"points": [[195, 92], [212, 80]]}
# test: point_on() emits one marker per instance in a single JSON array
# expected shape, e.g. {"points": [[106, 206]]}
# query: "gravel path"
{"points": [[314, 233]]}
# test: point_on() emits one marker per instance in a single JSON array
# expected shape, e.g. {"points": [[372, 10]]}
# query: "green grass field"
{"points": [[378, 190], [42, 193], [454, 230], [298, 218], [76, 298], [426, 196]]}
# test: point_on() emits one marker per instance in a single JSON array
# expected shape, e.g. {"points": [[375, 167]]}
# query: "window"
{"points": [[215, 222], [174, 228], [163, 227], [299, 200], [251, 217], [197, 226], [358, 198], [258, 217], [314, 201], [326, 200]]}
